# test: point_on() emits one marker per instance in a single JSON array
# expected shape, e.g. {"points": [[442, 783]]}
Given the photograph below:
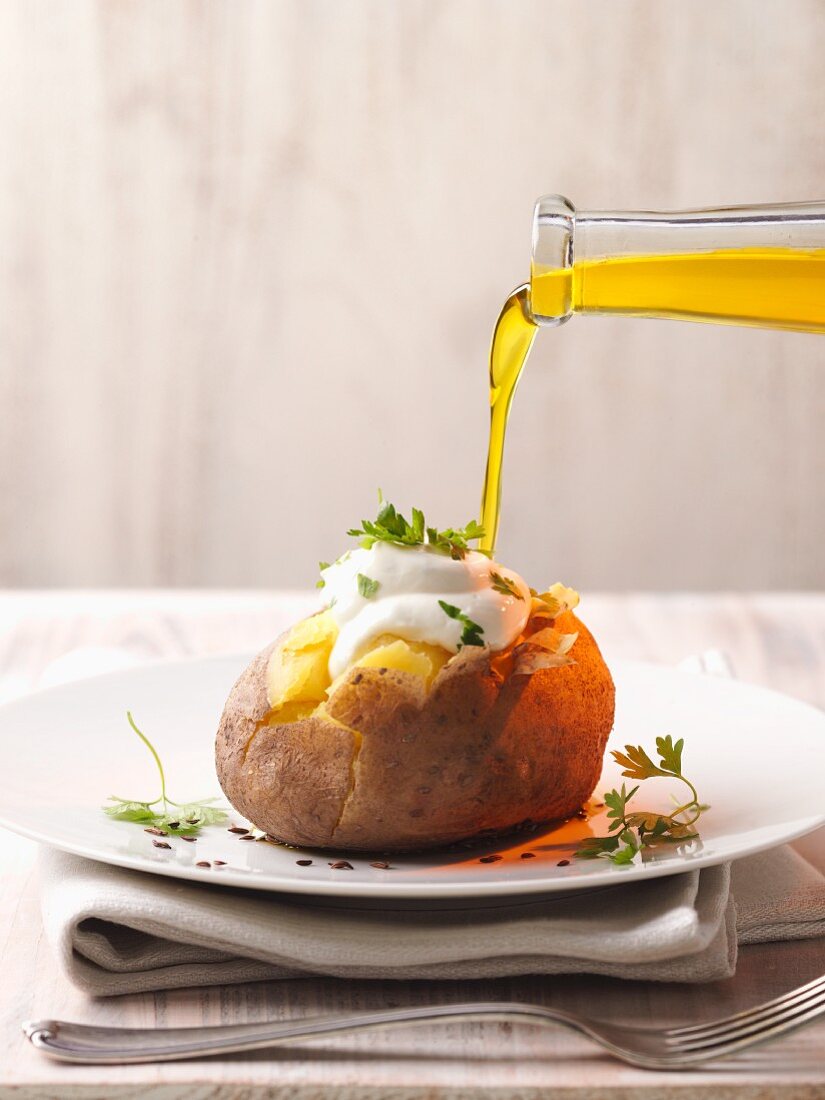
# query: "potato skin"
{"points": [[290, 780], [475, 755]]}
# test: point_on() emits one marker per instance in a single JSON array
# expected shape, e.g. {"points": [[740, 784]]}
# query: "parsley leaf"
{"points": [[637, 764], [322, 565], [505, 586], [593, 846], [391, 526], [186, 819], [125, 810], [198, 814], [472, 632], [627, 853], [418, 523], [453, 541], [367, 587], [630, 832], [616, 802], [670, 754]]}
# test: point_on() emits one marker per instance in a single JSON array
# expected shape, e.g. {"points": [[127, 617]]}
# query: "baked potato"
{"points": [[413, 747]]}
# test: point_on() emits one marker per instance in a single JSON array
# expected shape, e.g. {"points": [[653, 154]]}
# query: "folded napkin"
{"points": [[119, 931]]}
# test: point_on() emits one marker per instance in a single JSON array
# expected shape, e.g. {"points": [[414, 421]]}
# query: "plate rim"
{"points": [[384, 888]]}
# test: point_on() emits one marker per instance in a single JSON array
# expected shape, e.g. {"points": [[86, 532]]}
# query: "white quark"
{"points": [[411, 581]]}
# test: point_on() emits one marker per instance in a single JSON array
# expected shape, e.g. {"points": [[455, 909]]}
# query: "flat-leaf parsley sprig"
{"points": [[631, 831], [391, 526], [185, 819]]}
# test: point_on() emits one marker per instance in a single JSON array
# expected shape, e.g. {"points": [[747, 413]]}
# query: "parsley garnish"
{"points": [[367, 586], [472, 632], [391, 526], [322, 565], [186, 817], [452, 541], [505, 586], [630, 832]]}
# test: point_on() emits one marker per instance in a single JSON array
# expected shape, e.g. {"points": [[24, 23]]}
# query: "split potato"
{"points": [[413, 747]]}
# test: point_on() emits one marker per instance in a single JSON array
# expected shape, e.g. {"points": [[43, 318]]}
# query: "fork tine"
{"points": [[679, 1057], [747, 1031], [792, 996]]}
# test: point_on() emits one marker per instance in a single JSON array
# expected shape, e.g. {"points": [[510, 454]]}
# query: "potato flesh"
{"points": [[390, 651], [298, 672], [298, 680]]}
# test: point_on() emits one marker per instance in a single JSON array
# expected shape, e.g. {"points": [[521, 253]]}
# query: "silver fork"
{"points": [[650, 1048]]}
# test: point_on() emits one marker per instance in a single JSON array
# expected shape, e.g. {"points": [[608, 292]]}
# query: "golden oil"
{"points": [[770, 287]]}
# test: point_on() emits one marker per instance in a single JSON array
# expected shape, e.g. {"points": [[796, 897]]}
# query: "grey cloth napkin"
{"points": [[119, 931]]}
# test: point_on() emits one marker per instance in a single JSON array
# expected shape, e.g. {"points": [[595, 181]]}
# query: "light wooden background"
{"points": [[251, 255]]}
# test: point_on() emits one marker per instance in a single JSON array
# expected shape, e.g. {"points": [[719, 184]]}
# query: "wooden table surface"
{"points": [[776, 640]]}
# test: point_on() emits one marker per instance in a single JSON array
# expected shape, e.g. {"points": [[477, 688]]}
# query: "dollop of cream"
{"points": [[411, 580]]}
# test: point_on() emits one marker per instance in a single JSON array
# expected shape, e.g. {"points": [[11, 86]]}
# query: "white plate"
{"points": [[754, 755]]}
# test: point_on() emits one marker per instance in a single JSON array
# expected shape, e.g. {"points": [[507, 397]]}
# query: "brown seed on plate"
{"points": [[219, 862], [155, 831], [203, 863], [247, 836], [528, 855], [189, 839], [341, 865], [304, 862], [381, 865], [237, 829], [173, 824], [563, 863], [192, 820], [161, 844], [489, 859]]}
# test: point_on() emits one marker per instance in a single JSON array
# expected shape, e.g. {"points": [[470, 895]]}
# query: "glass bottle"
{"points": [[735, 265], [742, 265]]}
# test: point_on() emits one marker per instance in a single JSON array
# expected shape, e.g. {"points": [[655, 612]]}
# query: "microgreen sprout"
{"points": [[181, 818]]}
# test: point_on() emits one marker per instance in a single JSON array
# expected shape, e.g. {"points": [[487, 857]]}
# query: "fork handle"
{"points": [[69, 1042]]}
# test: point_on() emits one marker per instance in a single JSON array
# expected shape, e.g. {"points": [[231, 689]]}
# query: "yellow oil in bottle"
{"points": [[772, 288]]}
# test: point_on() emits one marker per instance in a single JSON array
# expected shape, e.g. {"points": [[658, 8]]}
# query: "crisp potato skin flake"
{"points": [[476, 754]]}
